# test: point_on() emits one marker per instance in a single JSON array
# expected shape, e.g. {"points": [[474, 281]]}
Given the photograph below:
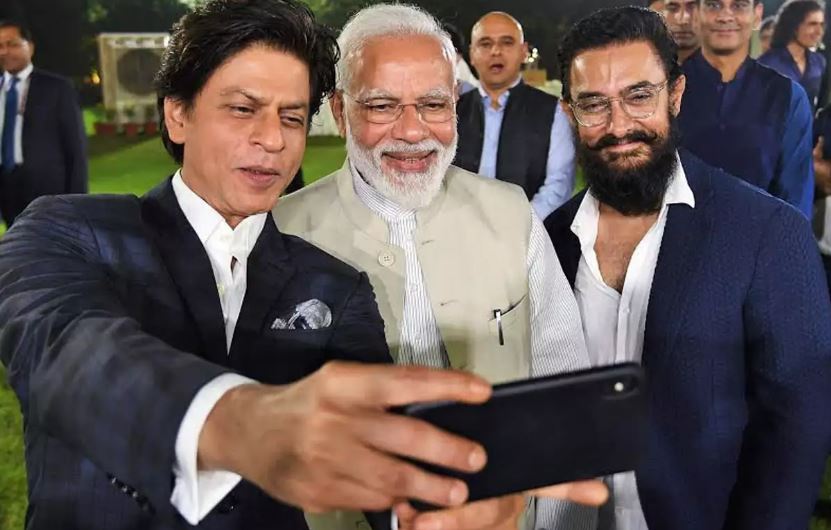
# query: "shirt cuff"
{"points": [[195, 492]]}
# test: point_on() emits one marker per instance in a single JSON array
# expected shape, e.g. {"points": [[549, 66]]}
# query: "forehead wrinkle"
{"points": [[608, 74]]}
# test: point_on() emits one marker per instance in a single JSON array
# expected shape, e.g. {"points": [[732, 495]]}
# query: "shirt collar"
{"points": [[210, 226], [21, 76], [584, 225], [712, 74], [503, 98], [373, 199]]}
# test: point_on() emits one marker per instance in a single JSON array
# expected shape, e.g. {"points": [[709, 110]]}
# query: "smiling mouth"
{"points": [[410, 161]]}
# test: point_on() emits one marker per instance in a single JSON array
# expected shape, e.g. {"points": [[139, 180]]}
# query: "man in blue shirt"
{"points": [[741, 116], [509, 130]]}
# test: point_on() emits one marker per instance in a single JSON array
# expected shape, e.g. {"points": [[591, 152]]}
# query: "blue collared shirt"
{"points": [[757, 127], [781, 60], [559, 173]]}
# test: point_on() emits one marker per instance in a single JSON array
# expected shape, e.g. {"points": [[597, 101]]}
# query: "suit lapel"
{"points": [[189, 267], [567, 244], [269, 270], [683, 247]]}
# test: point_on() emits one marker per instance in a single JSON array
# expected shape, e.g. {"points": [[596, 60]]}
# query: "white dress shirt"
{"points": [[560, 165], [613, 322], [196, 492], [556, 344], [22, 95]]}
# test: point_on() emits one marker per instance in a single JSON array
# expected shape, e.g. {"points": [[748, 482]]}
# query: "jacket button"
{"points": [[386, 259]]}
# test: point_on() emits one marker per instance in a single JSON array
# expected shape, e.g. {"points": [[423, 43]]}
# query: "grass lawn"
{"points": [[118, 165]]}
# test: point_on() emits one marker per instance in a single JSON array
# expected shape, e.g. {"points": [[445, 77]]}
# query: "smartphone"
{"points": [[545, 431]]}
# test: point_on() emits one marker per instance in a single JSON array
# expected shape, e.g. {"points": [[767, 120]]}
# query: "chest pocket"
{"points": [[510, 359]]}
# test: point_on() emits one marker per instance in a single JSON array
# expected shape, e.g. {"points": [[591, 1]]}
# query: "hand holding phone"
{"points": [[545, 431]]}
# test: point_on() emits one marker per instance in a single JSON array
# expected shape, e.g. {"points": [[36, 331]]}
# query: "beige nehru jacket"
{"points": [[472, 245]]}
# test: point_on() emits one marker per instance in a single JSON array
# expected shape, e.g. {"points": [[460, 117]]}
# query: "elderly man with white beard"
{"points": [[464, 274]]}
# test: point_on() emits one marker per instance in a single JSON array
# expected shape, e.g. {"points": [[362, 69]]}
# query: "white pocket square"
{"points": [[311, 314]]}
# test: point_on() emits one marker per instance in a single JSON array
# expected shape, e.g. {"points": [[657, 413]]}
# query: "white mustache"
{"points": [[404, 147]]}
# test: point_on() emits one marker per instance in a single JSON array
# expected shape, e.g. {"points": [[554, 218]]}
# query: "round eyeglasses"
{"points": [[638, 103]]}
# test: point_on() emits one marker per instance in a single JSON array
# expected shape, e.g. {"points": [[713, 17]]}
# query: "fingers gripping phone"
{"points": [[545, 431]]}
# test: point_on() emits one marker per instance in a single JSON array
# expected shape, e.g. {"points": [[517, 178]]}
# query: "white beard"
{"points": [[409, 190]]}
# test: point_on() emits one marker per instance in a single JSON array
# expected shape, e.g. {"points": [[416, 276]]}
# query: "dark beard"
{"points": [[635, 190]]}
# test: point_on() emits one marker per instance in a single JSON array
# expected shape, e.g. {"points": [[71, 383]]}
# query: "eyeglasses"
{"points": [[638, 103], [739, 7], [385, 111]]}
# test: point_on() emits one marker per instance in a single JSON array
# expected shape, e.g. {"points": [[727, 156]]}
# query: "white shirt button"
{"points": [[386, 259]]}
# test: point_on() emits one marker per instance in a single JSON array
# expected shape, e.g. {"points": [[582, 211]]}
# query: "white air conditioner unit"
{"points": [[129, 62]]}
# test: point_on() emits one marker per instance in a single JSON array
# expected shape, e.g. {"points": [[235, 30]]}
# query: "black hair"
{"points": [[206, 38], [790, 16], [456, 36], [24, 30], [768, 22], [619, 25]]}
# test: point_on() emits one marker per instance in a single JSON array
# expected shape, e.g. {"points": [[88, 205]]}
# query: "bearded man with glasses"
{"points": [[714, 286], [741, 116], [464, 274]]}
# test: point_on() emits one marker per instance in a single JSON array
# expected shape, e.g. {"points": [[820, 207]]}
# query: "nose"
{"points": [[409, 127], [619, 122], [725, 14], [267, 133]]}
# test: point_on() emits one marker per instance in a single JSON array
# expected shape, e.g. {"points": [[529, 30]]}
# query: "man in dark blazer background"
{"points": [[42, 134], [714, 286], [179, 361]]}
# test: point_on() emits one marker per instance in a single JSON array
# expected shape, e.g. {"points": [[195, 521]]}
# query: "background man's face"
{"points": [[810, 31], [681, 16], [407, 158], [15, 51], [497, 51], [727, 25], [245, 134]]}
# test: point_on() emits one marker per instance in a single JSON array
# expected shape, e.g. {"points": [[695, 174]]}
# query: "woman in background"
{"points": [[799, 29]]}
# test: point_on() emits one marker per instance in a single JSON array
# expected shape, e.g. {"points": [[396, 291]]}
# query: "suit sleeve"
{"points": [[359, 331], [794, 180], [84, 370], [787, 322], [73, 139]]}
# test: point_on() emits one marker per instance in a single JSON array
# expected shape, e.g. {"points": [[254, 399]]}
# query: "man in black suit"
{"points": [[161, 347], [42, 140]]}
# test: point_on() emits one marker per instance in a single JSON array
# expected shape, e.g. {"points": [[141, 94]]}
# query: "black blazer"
{"points": [[110, 323], [54, 144], [737, 350]]}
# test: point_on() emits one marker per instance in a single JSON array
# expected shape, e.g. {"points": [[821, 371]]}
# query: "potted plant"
{"points": [[107, 127], [151, 120], [131, 127]]}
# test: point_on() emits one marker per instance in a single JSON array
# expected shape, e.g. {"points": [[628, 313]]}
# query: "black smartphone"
{"points": [[545, 431]]}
